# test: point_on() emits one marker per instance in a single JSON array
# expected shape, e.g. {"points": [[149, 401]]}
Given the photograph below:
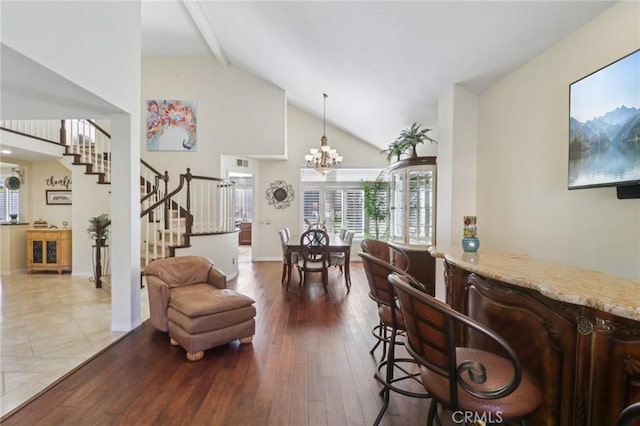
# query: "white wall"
{"points": [[237, 114], [245, 116], [304, 132], [523, 204], [90, 199], [457, 157], [38, 183], [216, 248], [86, 42], [96, 45]]}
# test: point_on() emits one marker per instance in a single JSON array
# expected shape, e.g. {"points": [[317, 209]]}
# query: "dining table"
{"points": [[336, 245]]}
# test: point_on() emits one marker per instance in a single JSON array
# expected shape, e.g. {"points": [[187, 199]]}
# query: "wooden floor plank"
{"points": [[308, 365]]}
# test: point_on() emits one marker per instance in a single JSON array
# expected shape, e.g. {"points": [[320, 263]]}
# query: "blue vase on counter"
{"points": [[470, 244]]}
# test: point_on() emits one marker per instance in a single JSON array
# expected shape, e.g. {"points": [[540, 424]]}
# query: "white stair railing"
{"points": [[199, 205], [91, 143], [48, 130], [83, 138]]}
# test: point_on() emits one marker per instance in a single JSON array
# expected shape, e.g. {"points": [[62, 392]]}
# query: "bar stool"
{"points": [[395, 257], [462, 379], [391, 321]]}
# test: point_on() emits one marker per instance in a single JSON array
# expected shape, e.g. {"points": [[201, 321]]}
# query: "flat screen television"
{"points": [[604, 126]]}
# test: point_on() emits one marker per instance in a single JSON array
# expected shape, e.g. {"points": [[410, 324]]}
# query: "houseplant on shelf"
{"points": [[412, 137], [396, 148], [98, 228]]}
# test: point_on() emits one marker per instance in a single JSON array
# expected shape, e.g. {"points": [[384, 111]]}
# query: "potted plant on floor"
{"points": [[98, 228], [375, 205]]}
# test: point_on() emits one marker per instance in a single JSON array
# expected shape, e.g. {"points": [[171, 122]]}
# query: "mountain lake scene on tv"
{"points": [[604, 127]]}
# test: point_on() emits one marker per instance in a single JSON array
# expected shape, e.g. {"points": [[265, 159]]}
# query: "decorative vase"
{"points": [[470, 244]]}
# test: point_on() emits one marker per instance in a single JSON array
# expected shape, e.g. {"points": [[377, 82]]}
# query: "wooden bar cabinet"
{"points": [[576, 331]]}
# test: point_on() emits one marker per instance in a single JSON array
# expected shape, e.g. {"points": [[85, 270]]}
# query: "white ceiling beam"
{"points": [[201, 22]]}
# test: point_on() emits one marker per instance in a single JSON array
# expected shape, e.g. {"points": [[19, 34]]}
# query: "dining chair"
{"points": [[391, 327], [314, 255], [321, 225], [283, 243], [477, 383], [343, 232], [337, 259]]}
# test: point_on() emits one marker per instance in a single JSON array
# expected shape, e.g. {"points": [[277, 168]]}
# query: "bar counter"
{"points": [[577, 331], [608, 293]]}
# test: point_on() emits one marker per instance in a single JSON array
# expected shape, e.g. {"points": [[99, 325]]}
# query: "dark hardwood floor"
{"points": [[309, 364]]}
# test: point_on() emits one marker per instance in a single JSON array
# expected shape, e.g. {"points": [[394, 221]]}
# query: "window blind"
{"points": [[9, 202]]}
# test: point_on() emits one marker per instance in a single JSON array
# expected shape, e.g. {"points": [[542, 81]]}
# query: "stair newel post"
{"points": [[63, 132], [165, 178], [188, 216], [167, 203]]}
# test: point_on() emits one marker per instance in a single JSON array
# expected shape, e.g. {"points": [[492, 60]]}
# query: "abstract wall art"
{"points": [[171, 125]]}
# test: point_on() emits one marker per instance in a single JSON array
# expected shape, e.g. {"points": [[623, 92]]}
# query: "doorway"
{"points": [[243, 206]]}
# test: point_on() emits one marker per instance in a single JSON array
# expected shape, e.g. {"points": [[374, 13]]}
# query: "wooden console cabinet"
{"points": [[576, 331], [48, 250]]}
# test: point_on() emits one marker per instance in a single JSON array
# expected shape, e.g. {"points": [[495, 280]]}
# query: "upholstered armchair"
{"points": [[188, 299]]}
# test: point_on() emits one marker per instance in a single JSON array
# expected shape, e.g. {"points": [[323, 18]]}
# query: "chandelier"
{"points": [[325, 159]]}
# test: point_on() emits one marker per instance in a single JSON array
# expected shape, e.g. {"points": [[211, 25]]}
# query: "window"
{"points": [[81, 131], [9, 202], [311, 205], [337, 199]]}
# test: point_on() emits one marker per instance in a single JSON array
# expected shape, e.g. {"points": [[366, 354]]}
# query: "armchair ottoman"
{"points": [[188, 299]]}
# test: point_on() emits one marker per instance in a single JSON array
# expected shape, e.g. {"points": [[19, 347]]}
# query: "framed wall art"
{"points": [[58, 196]]}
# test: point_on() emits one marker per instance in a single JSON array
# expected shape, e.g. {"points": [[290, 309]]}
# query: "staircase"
{"points": [[197, 206]]}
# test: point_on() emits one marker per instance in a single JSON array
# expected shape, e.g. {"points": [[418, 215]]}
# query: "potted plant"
{"points": [[413, 136], [98, 228], [396, 148], [375, 206]]}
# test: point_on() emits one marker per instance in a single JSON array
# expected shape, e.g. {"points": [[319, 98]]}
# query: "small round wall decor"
{"points": [[280, 194], [12, 183]]}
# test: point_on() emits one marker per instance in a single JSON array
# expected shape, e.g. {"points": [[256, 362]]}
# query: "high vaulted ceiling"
{"points": [[382, 63]]}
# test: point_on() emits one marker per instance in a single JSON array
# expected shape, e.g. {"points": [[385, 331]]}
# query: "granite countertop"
{"points": [[608, 293]]}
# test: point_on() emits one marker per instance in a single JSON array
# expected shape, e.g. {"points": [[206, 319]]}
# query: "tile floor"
{"points": [[51, 323]]}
